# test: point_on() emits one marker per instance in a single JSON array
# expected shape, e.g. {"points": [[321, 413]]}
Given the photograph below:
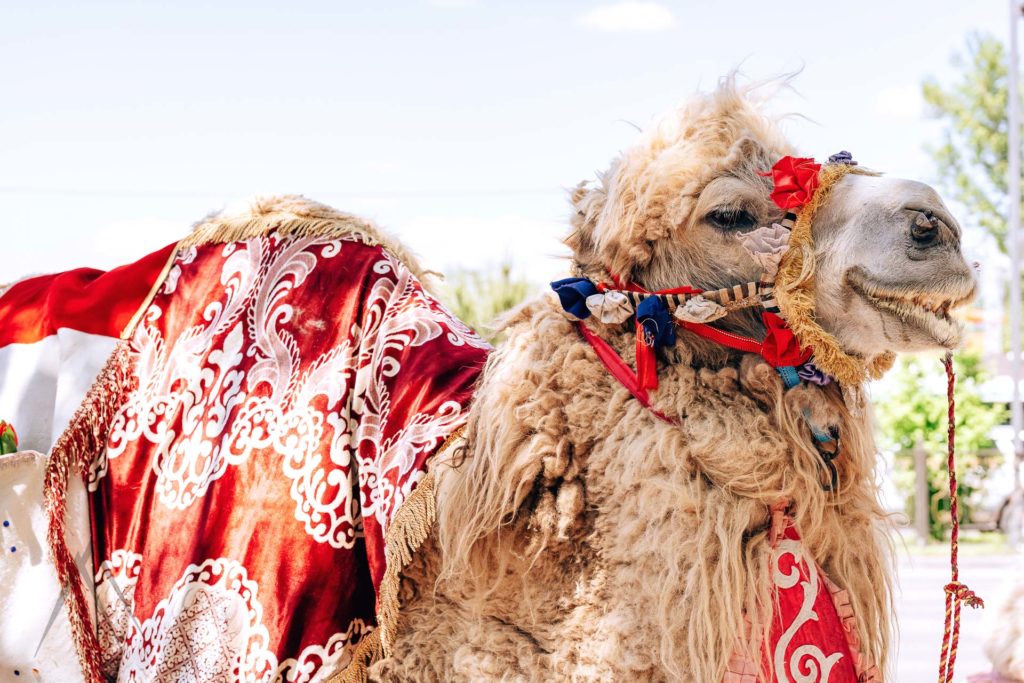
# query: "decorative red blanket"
{"points": [[290, 390]]}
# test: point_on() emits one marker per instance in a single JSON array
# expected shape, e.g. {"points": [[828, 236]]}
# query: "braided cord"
{"points": [[956, 592]]}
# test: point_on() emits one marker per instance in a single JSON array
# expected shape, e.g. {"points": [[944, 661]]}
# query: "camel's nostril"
{"points": [[925, 230]]}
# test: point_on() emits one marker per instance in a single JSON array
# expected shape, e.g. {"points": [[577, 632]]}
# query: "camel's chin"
{"points": [[924, 320]]}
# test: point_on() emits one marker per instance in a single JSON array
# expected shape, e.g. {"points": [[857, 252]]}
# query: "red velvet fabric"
{"points": [[290, 393], [85, 299]]}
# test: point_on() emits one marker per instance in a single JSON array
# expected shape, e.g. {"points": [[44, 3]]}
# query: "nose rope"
{"points": [[957, 593]]}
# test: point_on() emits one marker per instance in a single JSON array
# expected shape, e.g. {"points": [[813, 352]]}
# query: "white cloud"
{"points": [[629, 16]]}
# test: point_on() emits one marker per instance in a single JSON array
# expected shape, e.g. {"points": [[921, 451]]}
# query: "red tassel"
{"points": [[646, 363]]}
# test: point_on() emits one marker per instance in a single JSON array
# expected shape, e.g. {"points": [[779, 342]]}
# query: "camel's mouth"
{"points": [[927, 312]]}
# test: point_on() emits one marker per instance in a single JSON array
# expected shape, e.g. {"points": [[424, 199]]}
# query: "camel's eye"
{"points": [[731, 218]]}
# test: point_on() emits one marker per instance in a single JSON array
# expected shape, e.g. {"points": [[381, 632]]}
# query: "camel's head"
{"points": [[882, 274]]}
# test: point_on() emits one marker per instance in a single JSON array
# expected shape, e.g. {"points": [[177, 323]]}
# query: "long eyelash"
{"points": [[731, 217]]}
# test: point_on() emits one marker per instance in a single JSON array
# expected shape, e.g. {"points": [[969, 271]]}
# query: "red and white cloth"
{"points": [[56, 332], [290, 391], [813, 635]]}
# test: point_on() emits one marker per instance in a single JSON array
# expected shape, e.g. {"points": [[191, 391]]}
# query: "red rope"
{"points": [[956, 592]]}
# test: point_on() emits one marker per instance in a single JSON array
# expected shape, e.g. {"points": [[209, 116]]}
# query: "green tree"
{"points": [[915, 410], [478, 297], [972, 159]]}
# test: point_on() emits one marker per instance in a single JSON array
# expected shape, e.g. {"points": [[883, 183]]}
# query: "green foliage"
{"points": [[478, 297], [972, 160], [915, 410]]}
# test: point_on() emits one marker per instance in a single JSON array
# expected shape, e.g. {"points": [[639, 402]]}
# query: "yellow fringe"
{"points": [[794, 292], [366, 653], [80, 442], [411, 526], [294, 215], [407, 533]]}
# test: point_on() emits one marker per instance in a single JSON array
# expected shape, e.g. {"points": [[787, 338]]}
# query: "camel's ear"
{"points": [[588, 201]]}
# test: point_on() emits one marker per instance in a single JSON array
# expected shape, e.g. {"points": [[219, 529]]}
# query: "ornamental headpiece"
{"points": [[785, 292]]}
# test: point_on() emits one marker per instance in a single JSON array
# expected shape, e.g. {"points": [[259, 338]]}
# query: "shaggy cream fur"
{"points": [[578, 537], [618, 546]]}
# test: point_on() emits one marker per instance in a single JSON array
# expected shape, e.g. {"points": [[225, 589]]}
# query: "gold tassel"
{"points": [[366, 653], [296, 216]]}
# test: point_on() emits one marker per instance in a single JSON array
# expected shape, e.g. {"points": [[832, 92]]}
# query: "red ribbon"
{"points": [[646, 362], [796, 179], [780, 346], [620, 371]]}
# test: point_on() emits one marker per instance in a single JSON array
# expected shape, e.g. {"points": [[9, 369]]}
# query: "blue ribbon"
{"points": [[790, 375], [656, 322], [842, 157], [572, 293]]}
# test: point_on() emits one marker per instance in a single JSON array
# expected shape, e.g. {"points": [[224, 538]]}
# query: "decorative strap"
{"points": [[620, 371], [733, 341], [789, 376]]}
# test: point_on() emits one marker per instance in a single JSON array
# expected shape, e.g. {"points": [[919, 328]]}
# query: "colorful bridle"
{"points": [[793, 343]]}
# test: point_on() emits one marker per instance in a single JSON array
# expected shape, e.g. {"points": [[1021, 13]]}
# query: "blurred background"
{"points": [[460, 124]]}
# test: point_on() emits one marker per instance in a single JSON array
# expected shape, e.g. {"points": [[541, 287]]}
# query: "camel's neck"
{"points": [[560, 450]]}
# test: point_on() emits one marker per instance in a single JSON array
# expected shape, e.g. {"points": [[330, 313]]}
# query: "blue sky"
{"points": [[456, 124]]}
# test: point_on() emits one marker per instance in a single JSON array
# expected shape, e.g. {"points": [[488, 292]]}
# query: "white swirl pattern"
{"points": [[807, 663], [230, 385]]}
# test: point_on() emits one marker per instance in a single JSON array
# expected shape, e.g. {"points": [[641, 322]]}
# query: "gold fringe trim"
{"points": [[289, 216], [294, 215], [794, 291], [367, 652], [406, 534], [84, 439], [410, 528]]}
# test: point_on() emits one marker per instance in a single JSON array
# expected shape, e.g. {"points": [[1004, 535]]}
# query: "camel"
{"points": [[580, 537], [296, 464]]}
